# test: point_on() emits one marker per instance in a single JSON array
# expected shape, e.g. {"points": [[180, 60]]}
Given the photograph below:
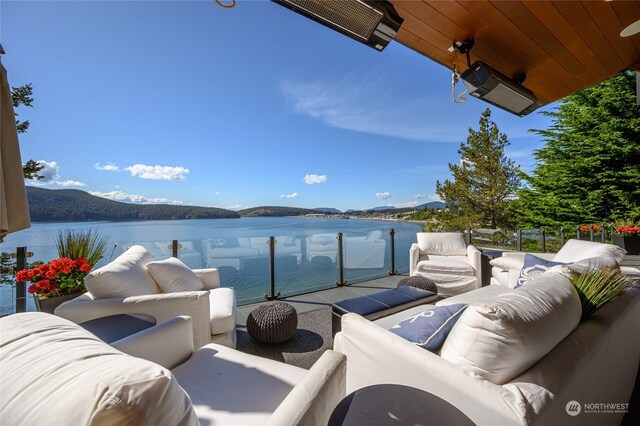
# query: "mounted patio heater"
{"points": [[492, 86], [374, 23]]}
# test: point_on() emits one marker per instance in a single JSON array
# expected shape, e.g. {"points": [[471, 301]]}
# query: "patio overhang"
{"points": [[562, 47]]}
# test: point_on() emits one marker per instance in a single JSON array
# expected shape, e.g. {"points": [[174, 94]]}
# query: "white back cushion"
{"points": [[575, 250], [500, 339], [124, 277], [56, 373], [173, 276], [442, 243]]}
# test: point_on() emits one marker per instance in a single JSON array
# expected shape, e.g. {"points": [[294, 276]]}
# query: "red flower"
{"points": [[51, 274], [85, 267], [23, 276]]}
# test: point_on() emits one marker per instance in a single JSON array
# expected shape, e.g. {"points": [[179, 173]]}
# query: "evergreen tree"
{"points": [[589, 170], [23, 95], [484, 182]]}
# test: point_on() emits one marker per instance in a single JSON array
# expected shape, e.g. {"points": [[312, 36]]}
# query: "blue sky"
{"points": [[191, 103]]}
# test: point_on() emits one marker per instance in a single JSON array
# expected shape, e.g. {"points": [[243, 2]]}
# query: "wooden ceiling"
{"points": [[563, 46]]}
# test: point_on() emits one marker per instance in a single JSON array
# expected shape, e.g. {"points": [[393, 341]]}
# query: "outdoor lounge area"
{"points": [[164, 261]]}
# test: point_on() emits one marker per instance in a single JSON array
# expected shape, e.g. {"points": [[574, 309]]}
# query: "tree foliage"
{"points": [[589, 170], [483, 183], [23, 95]]}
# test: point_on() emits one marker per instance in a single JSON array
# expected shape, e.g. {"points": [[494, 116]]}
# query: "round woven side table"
{"points": [[272, 322], [419, 282]]}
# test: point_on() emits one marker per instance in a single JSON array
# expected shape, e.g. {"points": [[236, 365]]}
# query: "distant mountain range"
{"points": [[433, 205], [47, 205]]}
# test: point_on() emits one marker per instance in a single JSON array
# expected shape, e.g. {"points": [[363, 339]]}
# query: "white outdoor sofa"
{"points": [[125, 286], [56, 373], [506, 269], [596, 362]]}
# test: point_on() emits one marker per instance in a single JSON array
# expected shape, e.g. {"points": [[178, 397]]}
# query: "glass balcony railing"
{"points": [[260, 266]]}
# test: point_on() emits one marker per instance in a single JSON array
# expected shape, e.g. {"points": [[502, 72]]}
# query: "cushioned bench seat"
{"points": [[381, 304]]}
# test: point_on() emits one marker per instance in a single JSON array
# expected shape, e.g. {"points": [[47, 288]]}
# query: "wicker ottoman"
{"points": [[419, 282], [272, 322]]}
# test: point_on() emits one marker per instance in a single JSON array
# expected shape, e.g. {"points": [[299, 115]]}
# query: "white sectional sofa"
{"points": [[56, 373], [506, 269], [514, 357], [125, 286]]}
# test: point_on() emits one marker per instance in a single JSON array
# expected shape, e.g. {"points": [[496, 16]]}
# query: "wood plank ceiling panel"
{"points": [[562, 46]]}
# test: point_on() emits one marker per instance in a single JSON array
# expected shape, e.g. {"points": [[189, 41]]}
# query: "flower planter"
{"points": [[631, 243], [49, 304]]}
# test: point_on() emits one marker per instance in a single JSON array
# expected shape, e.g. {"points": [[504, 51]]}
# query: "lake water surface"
{"points": [[306, 249]]}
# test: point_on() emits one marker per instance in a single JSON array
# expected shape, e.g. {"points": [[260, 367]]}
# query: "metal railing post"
{"points": [[577, 232], [272, 270], [544, 241], [469, 236], [341, 282], [591, 233], [392, 243], [519, 240], [603, 233], [21, 293], [174, 248], [561, 236]]}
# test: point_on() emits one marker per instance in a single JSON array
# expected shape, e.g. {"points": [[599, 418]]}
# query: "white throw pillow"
{"points": [[507, 263], [499, 340], [173, 276], [73, 378], [124, 277], [442, 243], [575, 250]]}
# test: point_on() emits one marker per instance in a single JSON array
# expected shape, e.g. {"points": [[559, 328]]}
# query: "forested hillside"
{"points": [[46, 205], [276, 211]]}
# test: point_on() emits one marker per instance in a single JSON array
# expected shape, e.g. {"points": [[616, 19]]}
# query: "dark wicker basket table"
{"points": [[272, 322]]}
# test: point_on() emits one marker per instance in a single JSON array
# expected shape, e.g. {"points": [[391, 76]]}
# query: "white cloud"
{"points": [[134, 198], [69, 182], [383, 195], [216, 193], [51, 176], [158, 172], [294, 195], [430, 197], [311, 179], [371, 104], [110, 167], [235, 207]]}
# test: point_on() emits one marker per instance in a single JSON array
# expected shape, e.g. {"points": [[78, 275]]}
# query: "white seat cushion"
{"points": [[173, 276], [575, 250], [458, 265], [499, 340], [481, 294], [442, 243], [229, 387], [126, 276], [56, 373], [222, 309]]}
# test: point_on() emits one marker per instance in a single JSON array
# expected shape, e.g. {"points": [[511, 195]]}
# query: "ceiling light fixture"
{"points": [[374, 23]]}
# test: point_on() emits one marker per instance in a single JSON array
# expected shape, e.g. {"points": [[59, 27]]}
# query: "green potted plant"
{"points": [[596, 287], [627, 236], [62, 279]]}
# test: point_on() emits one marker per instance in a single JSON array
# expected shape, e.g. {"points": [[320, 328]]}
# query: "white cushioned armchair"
{"points": [[444, 258], [125, 287], [153, 378]]}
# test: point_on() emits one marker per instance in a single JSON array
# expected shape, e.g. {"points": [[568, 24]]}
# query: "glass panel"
{"points": [[532, 241], [306, 263], [366, 255], [8, 287], [493, 238]]}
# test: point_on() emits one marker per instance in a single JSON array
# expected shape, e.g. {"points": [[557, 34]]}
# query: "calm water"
{"points": [[306, 249]]}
